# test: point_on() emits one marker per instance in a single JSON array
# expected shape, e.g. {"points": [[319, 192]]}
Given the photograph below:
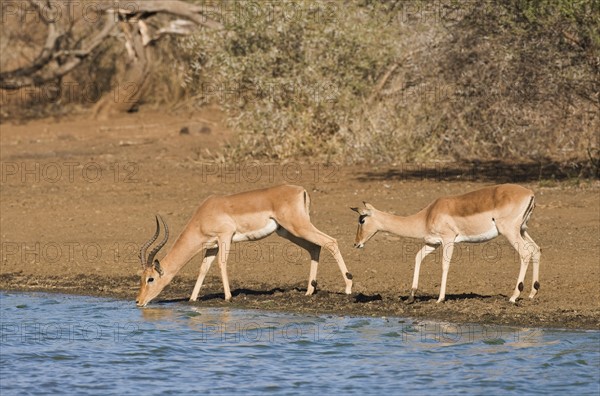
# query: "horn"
{"points": [[149, 261], [146, 245]]}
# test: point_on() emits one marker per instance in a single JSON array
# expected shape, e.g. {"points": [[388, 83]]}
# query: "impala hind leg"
{"points": [[536, 253], [418, 259], [314, 251], [310, 233], [525, 255], [209, 257]]}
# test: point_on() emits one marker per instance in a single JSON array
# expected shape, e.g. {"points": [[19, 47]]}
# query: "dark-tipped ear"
{"points": [[368, 205], [362, 212], [158, 268]]}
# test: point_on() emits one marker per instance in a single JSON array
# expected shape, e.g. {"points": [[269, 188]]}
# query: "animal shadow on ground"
{"points": [[170, 301], [449, 297], [486, 171], [238, 292], [221, 296], [365, 298]]}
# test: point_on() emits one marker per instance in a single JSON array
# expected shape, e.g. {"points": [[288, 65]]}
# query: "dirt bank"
{"points": [[78, 198]]}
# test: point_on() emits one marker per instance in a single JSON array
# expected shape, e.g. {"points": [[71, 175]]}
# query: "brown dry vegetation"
{"points": [[409, 81], [365, 81]]}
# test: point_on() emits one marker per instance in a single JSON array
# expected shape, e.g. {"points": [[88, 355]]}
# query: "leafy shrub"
{"points": [[403, 81], [293, 84]]}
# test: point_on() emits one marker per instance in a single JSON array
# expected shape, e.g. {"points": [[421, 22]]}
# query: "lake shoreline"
{"points": [[458, 309]]}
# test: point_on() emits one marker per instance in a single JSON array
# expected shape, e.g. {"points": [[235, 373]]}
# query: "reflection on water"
{"points": [[72, 344]]}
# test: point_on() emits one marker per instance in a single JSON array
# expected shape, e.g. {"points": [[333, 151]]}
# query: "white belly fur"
{"points": [[486, 236], [256, 234]]}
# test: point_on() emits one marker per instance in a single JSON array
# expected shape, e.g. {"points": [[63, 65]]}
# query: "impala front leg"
{"points": [[447, 250], [224, 244], [209, 257], [418, 260]]}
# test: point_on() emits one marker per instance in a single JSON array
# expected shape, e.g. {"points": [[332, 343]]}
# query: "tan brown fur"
{"points": [[253, 215], [476, 216]]}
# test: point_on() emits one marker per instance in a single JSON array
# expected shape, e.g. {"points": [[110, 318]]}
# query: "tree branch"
{"points": [[45, 67]]}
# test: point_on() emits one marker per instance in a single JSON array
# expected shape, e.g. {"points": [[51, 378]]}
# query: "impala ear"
{"points": [[362, 212], [157, 268], [368, 206]]}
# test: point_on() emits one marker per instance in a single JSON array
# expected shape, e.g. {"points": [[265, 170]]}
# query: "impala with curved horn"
{"points": [[150, 262], [477, 216], [223, 219]]}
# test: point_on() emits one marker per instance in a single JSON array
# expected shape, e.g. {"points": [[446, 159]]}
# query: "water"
{"points": [[63, 344]]}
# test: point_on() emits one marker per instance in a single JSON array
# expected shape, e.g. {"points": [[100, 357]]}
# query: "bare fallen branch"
{"points": [[47, 67]]}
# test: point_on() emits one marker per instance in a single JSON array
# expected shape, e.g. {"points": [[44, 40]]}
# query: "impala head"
{"points": [[153, 279], [367, 226]]}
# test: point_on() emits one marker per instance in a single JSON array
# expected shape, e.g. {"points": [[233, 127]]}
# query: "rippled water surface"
{"points": [[53, 343]]}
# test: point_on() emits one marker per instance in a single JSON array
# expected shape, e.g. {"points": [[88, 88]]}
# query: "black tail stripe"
{"points": [[529, 209]]}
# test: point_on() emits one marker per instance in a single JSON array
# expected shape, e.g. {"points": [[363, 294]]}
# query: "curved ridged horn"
{"points": [[146, 245], [160, 245]]}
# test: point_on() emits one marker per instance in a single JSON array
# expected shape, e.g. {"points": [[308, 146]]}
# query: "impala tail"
{"points": [[527, 213]]}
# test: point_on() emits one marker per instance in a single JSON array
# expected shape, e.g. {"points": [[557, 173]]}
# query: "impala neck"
{"points": [[410, 226], [181, 252]]}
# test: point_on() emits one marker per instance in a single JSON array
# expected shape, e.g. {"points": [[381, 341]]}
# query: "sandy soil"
{"points": [[78, 198]]}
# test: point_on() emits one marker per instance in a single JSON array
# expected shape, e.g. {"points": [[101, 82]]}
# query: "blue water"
{"points": [[53, 343]]}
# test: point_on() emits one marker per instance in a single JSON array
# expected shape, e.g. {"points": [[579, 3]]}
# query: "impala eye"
{"points": [[150, 280], [361, 219]]}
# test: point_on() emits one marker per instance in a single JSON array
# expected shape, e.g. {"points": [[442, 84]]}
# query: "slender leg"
{"points": [[309, 232], [224, 246], [520, 246], [209, 257], [315, 253], [448, 249], [536, 253], [314, 250], [418, 259]]}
